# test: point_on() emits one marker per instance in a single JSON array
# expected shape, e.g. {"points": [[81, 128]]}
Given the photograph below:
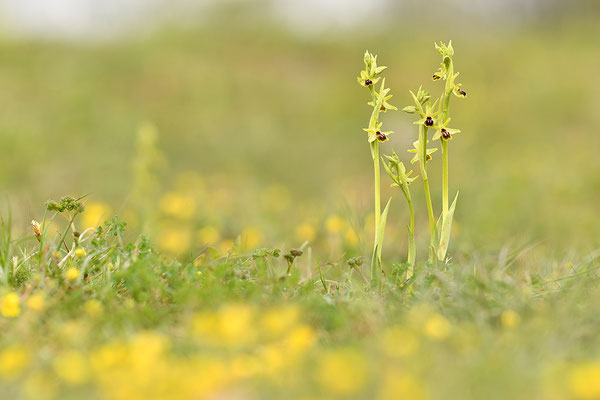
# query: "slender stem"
{"points": [[423, 166], [445, 114], [412, 250], [376, 169]]}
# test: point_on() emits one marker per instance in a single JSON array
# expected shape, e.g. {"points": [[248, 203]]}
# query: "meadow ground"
{"points": [[221, 159]]}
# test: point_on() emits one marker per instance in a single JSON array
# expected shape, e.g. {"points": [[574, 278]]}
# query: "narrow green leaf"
{"points": [[446, 231]]}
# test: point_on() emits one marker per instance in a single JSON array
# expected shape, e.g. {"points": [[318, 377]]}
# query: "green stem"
{"points": [[412, 249], [423, 166], [444, 178], [377, 191]]}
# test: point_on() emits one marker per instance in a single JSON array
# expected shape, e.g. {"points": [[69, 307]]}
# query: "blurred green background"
{"points": [[265, 114]]}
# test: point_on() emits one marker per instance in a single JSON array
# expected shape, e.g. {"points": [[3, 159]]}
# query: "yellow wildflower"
{"points": [[13, 361], [208, 235], [10, 305], [334, 224], [72, 274], [437, 327], [305, 232], [174, 240], [251, 237], [342, 372], [94, 214], [79, 252], [401, 385], [351, 237], [178, 205], [509, 319], [584, 381], [36, 302], [93, 308], [71, 367]]}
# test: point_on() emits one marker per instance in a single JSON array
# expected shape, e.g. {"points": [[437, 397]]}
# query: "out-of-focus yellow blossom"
{"points": [[275, 198], [334, 224], [93, 308], [235, 323], [251, 237], [342, 372], [584, 380], [399, 341], [351, 237], [401, 385], [300, 339], [13, 361], [437, 327], [509, 319], [79, 252], [10, 305], [95, 213], [40, 386], [225, 246], [208, 235], [147, 347], [72, 274], [305, 232], [279, 320], [109, 357], [36, 302], [174, 240], [71, 367], [178, 205]]}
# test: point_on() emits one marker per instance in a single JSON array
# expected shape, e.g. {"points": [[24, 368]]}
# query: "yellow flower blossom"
{"points": [[79, 252], [437, 327], [174, 240], [509, 319], [178, 205], [72, 274], [10, 307], [279, 320], [13, 361], [251, 237], [334, 224], [342, 372], [305, 232], [351, 237], [93, 308], [225, 246], [95, 214], [71, 367], [209, 235], [36, 302], [401, 385], [584, 381]]}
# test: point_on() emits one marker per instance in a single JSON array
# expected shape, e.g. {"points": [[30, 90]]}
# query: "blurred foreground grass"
{"points": [[216, 148]]}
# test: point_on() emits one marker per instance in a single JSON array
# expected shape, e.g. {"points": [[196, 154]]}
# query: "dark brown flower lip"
{"points": [[429, 121], [445, 134], [380, 136], [368, 82]]}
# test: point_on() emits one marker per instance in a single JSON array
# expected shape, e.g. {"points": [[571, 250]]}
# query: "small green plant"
{"points": [[397, 172], [436, 116], [368, 78]]}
